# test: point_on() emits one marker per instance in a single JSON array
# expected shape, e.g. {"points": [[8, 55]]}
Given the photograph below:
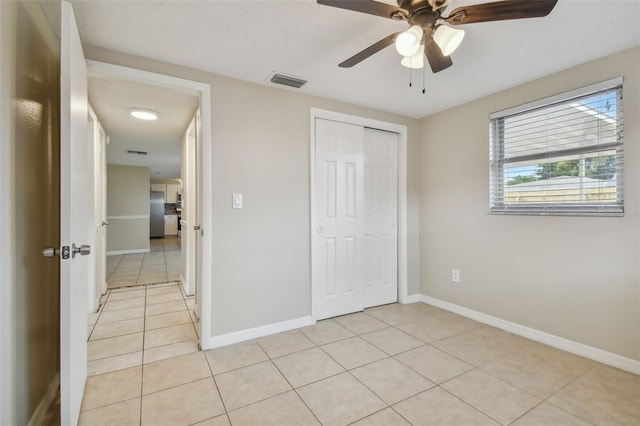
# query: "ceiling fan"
{"points": [[428, 33]]}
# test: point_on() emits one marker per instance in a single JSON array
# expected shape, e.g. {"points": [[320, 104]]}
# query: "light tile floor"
{"points": [[161, 265], [389, 365]]}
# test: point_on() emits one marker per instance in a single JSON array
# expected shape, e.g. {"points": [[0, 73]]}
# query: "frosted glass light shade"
{"points": [[408, 42], [448, 39], [416, 61], [144, 114]]}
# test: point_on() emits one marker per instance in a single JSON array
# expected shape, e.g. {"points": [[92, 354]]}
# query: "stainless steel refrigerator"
{"points": [[156, 212]]}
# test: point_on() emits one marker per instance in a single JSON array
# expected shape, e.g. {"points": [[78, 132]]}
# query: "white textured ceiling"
{"points": [[249, 40]]}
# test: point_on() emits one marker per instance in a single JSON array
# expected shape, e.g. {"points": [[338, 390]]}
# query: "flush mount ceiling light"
{"points": [[144, 113], [426, 19]]}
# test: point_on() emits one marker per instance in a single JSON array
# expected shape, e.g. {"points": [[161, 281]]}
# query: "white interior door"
{"points": [[191, 206], [195, 249], [76, 217], [354, 260], [102, 189], [338, 229], [380, 217], [97, 137]]}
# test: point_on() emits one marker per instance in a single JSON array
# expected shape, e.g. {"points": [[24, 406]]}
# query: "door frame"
{"points": [[401, 130], [98, 140], [205, 206], [7, 236]]}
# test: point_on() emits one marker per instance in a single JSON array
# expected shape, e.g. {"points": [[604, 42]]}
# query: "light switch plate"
{"points": [[237, 201]]}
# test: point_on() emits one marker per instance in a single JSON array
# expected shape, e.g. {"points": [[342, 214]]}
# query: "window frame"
{"points": [[497, 160]]}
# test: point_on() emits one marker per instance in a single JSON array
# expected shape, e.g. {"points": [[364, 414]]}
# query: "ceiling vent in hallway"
{"points": [[129, 151], [288, 80]]}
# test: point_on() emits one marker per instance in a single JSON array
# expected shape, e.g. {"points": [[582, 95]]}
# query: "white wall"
{"points": [[261, 253], [573, 277]]}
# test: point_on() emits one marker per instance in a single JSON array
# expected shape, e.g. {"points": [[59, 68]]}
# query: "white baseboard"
{"points": [[581, 349], [115, 252], [184, 287], [45, 402], [412, 298], [261, 331]]}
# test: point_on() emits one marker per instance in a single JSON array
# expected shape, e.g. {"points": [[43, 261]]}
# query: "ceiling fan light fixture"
{"points": [[416, 61], [408, 42], [144, 114], [448, 39]]}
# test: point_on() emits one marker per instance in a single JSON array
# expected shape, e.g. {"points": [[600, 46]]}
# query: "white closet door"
{"points": [[380, 216], [338, 229], [354, 232]]}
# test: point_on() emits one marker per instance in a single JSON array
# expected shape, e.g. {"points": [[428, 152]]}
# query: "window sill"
{"points": [[556, 213]]}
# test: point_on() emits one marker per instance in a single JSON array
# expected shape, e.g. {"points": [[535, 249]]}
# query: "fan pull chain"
{"points": [[424, 89], [410, 85]]}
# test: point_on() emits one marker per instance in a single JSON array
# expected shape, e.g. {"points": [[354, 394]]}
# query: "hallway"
{"points": [[161, 265]]}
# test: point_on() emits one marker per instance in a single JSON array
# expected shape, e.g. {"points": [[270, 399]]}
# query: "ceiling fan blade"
{"points": [[374, 48], [437, 60], [500, 11], [365, 6]]}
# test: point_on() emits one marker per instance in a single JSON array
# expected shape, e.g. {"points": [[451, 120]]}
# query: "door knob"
{"points": [[83, 250], [50, 252]]}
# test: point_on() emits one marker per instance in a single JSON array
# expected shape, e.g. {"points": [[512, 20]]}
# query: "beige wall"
{"points": [[574, 277], [261, 257], [127, 195]]}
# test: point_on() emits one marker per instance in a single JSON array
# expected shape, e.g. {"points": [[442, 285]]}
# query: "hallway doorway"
{"points": [[146, 266]]}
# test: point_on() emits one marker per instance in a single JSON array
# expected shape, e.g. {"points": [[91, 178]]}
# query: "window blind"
{"points": [[560, 155]]}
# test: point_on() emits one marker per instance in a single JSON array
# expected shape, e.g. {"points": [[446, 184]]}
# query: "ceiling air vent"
{"points": [[132, 152], [288, 80]]}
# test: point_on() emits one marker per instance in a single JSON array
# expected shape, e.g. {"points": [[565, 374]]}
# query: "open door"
{"points": [[76, 217], [197, 208]]}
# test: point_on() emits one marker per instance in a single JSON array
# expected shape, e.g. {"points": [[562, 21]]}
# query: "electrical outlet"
{"points": [[455, 275]]}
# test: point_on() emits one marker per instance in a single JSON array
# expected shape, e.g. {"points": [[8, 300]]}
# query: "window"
{"points": [[560, 155]]}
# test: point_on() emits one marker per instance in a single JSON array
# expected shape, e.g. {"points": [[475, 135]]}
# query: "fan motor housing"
{"points": [[420, 12]]}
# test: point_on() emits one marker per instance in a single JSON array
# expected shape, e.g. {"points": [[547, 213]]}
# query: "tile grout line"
{"points": [[100, 310], [345, 370], [504, 354], [184, 300], [479, 368], [224, 406], [436, 385], [287, 380], [144, 334], [468, 404], [474, 367], [392, 357], [562, 388], [114, 269]]}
